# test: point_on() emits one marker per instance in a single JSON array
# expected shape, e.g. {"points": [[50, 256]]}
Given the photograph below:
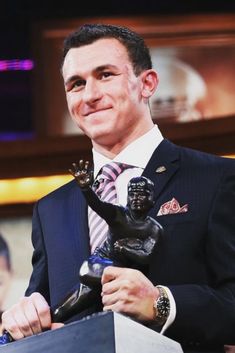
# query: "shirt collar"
{"points": [[137, 153]]}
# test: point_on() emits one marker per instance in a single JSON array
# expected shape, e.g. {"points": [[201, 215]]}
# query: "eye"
{"points": [[78, 83], [142, 195], [106, 74], [75, 85]]}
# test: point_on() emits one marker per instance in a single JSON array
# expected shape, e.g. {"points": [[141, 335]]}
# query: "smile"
{"points": [[96, 111]]}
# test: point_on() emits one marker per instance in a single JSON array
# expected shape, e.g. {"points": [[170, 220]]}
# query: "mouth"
{"points": [[136, 204], [91, 112]]}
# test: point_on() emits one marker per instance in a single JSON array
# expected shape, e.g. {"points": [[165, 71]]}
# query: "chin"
{"points": [[101, 137]]}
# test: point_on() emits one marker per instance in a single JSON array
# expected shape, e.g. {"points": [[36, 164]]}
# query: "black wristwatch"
{"points": [[161, 307]]}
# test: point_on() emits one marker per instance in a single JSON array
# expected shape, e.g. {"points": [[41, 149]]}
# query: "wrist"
{"points": [[161, 306]]}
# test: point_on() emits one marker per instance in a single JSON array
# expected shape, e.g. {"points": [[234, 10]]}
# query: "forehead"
{"points": [[106, 51]]}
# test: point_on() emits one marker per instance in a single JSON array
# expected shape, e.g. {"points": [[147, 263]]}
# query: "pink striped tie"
{"points": [[107, 192]]}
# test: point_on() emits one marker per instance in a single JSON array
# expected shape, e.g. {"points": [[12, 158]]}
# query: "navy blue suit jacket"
{"points": [[195, 259]]}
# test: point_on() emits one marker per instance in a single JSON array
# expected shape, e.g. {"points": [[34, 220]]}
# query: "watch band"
{"points": [[161, 306]]}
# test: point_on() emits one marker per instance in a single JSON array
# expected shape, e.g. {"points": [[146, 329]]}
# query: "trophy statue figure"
{"points": [[131, 239]]}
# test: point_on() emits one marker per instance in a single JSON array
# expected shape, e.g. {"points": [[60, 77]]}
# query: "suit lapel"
{"points": [[163, 165], [81, 228]]}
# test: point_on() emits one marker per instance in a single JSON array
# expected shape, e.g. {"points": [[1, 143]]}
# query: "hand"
{"points": [[81, 173], [29, 316], [129, 292]]}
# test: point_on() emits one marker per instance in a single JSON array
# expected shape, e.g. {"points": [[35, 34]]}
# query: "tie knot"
{"points": [[112, 170], [107, 176]]}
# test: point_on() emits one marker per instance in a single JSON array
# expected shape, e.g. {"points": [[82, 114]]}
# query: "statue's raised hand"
{"points": [[82, 174]]}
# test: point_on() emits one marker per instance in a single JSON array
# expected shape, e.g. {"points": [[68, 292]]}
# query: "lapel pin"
{"points": [[161, 169]]}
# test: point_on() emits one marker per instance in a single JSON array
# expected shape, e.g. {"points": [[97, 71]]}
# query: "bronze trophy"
{"points": [[130, 242]]}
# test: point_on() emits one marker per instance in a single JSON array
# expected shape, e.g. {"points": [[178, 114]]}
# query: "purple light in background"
{"points": [[16, 65], [12, 136]]}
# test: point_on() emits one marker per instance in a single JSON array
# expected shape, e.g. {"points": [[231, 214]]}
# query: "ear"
{"points": [[150, 82]]}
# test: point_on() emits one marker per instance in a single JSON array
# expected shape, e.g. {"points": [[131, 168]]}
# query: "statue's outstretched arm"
{"points": [[84, 178]]}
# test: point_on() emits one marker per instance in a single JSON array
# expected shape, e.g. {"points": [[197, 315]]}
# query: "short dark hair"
{"points": [[5, 252], [136, 48]]}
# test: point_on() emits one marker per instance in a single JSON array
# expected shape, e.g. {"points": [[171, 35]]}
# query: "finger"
{"points": [[110, 299], [11, 326], [86, 167], [43, 310], [31, 316], [81, 163], [118, 292], [117, 307], [120, 306], [110, 287], [71, 172], [23, 323], [110, 273], [56, 325], [75, 167]]}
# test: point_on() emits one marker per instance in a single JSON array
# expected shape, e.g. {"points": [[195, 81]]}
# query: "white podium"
{"points": [[100, 333]]}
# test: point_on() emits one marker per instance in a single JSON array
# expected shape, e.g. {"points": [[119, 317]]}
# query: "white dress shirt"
{"points": [[136, 154]]}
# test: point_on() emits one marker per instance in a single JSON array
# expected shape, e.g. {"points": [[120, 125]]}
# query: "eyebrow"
{"points": [[95, 70], [72, 79], [105, 67]]}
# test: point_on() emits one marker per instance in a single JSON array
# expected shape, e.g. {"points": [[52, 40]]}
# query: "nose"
{"points": [[135, 196], [91, 91]]}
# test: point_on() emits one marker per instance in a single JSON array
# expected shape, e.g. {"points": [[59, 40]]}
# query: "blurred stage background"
{"points": [[31, 146]]}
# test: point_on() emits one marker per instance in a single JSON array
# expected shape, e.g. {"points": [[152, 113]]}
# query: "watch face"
{"points": [[163, 306]]}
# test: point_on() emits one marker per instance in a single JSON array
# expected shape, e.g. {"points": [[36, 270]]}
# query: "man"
{"points": [[108, 81]]}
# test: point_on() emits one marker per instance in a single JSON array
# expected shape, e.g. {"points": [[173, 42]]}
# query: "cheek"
{"points": [[73, 103], [129, 100], [122, 90], [69, 103]]}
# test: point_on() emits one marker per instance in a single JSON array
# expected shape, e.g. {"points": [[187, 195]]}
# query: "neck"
{"points": [[112, 149], [137, 215]]}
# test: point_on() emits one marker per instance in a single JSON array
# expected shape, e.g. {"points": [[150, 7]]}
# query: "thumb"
{"points": [[56, 325], [110, 273]]}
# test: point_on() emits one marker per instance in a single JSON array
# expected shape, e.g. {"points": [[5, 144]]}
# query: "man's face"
{"points": [[139, 198], [103, 94]]}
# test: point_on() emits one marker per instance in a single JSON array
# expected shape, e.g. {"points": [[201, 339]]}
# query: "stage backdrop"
{"points": [[17, 233]]}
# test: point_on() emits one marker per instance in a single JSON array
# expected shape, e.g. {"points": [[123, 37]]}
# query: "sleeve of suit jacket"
{"points": [[39, 278]]}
